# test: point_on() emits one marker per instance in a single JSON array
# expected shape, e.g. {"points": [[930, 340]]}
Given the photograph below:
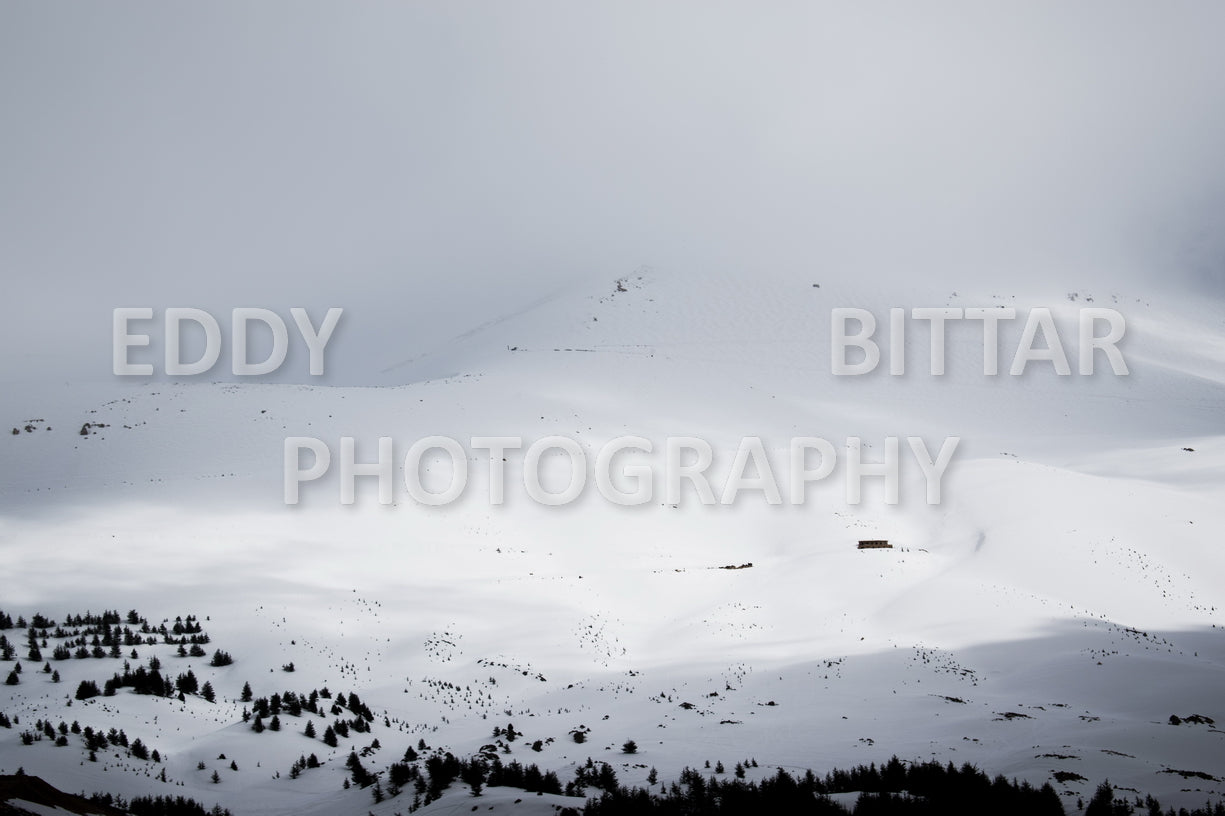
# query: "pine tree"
{"points": [[216, 777], [275, 723], [12, 679], [188, 683], [310, 729], [329, 737], [1102, 803], [207, 692], [630, 747], [258, 725], [359, 773], [246, 692]]}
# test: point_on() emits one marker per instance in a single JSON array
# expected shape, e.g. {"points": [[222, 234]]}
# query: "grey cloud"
{"points": [[429, 166]]}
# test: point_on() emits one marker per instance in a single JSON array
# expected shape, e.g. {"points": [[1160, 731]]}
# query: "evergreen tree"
{"points": [[275, 723], [359, 773], [187, 683], [246, 692], [310, 729], [207, 692], [329, 737], [1102, 803]]}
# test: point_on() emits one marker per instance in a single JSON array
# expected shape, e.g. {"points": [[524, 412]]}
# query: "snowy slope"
{"points": [[1050, 615]]}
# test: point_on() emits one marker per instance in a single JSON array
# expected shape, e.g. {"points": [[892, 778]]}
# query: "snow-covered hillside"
{"points": [[1047, 617]]}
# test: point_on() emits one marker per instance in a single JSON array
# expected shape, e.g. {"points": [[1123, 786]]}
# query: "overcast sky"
{"points": [[428, 165]]}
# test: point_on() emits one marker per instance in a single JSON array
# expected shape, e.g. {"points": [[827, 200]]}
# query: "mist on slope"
{"points": [[431, 168]]}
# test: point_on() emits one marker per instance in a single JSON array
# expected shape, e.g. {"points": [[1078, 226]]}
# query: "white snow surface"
{"points": [[1072, 573]]}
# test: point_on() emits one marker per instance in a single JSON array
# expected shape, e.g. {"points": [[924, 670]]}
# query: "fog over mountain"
{"points": [[621, 224], [424, 165]]}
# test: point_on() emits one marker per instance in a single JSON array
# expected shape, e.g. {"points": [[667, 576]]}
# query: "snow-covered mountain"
{"points": [[1043, 621]]}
